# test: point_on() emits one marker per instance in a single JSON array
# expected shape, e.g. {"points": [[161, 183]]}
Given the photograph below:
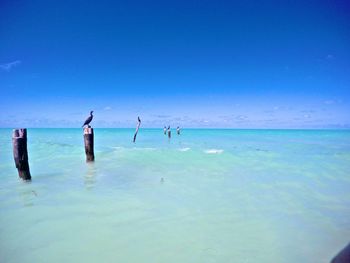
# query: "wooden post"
{"points": [[169, 133], [137, 128], [89, 144], [20, 153], [343, 256]]}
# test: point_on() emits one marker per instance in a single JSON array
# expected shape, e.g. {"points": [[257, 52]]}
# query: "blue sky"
{"points": [[230, 64]]}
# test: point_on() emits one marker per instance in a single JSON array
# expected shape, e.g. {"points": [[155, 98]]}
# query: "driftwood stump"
{"points": [[343, 256], [89, 144], [137, 128], [20, 153], [178, 131], [169, 133]]}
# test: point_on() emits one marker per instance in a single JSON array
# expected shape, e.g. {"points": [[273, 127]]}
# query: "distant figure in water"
{"points": [[169, 132], [178, 130], [164, 130], [88, 120], [162, 180]]}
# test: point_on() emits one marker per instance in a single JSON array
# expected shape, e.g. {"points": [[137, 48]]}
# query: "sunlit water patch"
{"points": [[214, 151], [202, 196]]}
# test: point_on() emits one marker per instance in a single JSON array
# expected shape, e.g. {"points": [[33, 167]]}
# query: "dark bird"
{"points": [[88, 120]]}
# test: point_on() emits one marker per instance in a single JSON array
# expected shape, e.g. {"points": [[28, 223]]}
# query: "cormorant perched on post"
{"points": [[88, 120]]}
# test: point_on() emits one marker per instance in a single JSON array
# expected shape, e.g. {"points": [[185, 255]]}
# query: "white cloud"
{"points": [[241, 117], [160, 116], [329, 102], [8, 66], [107, 108]]}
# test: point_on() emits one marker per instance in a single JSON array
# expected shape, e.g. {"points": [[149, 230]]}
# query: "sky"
{"points": [[210, 64]]}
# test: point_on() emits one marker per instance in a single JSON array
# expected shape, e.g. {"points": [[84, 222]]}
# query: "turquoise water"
{"points": [[226, 196]]}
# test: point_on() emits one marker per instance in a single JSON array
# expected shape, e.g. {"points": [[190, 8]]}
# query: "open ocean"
{"points": [[226, 196]]}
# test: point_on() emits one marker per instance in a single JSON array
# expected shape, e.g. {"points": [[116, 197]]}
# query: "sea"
{"points": [[206, 195]]}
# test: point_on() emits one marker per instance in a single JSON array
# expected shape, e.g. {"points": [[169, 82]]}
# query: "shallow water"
{"points": [[203, 196]]}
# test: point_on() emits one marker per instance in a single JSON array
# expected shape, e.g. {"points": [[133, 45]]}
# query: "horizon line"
{"points": [[182, 128]]}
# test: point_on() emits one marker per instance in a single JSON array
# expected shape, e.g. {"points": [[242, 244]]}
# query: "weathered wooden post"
{"points": [[20, 153], [137, 128], [169, 132], [343, 256], [89, 144]]}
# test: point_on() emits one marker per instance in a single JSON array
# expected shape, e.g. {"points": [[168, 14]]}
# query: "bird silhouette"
{"points": [[88, 120]]}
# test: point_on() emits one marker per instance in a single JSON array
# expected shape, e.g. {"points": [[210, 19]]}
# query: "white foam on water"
{"points": [[117, 147], [134, 148], [214, 151], [144, 148], [184, 149]]}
